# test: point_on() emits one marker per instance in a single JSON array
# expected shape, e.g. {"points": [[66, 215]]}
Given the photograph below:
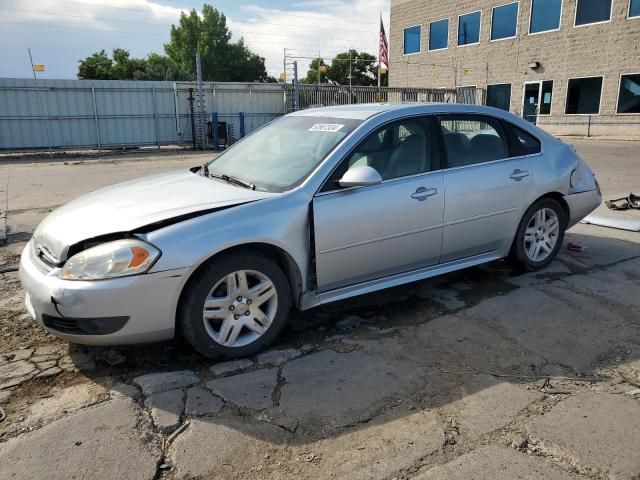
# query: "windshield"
{"points": [[279, 156]]}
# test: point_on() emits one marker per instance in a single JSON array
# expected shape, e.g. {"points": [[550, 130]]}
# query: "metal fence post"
{"points": [[589, 127], [155, 116], [95, 117], [215, 133], [179, 133], [242, 128], [193, 123]]}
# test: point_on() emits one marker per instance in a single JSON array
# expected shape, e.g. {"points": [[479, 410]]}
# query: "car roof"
{"points": [[365, 111]]}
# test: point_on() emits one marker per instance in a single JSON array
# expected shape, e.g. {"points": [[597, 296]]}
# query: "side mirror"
{"points": [[360, 176]]}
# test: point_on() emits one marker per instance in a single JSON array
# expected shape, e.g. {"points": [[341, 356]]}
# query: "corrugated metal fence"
{"points": [[105, 113]]}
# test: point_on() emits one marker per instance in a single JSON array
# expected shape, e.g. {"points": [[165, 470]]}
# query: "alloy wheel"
{"points": [[541, 235], [240, 308]]}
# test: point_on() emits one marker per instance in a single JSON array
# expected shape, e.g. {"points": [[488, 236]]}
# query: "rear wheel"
{"points": [[539, 236], [235, 306]]}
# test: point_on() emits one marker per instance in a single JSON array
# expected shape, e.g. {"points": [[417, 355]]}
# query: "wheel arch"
{"points": [[559, 197], [284, 260]]}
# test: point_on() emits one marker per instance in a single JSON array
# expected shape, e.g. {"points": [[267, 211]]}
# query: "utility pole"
{"points": [[202, 130], [284, 63], [296, 94], [350, 82], [44, 117]]}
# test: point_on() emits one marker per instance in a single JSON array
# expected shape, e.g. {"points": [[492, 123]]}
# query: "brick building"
{"points": [[571, 66]]}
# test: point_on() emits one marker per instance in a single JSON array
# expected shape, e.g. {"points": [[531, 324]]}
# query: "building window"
{"points": [[634, 8], [583, 96], [469, 28], [412, 39], [592, 11], [504, 21], [546, 95], [499, 96], [439, 35], [629, 96], [545, 15]]}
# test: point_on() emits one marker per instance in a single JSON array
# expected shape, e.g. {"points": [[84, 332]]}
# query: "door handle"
{"points": [[422, 193], [518, 174]]}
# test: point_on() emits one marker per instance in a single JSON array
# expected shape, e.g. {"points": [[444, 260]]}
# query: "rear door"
{"points": [[372, 232], [487, 181]]}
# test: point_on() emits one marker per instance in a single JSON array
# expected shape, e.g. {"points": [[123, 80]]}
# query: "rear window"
{"points": [[529, 144], [470, 139]]}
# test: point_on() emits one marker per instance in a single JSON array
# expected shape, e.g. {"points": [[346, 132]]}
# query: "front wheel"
{"points": [[235, 306], [539, 236]]}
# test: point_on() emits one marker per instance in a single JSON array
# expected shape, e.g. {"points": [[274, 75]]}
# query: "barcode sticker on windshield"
{"points": [[326, 127]]}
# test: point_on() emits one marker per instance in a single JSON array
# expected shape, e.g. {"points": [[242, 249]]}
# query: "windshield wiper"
{"points": [[233, 180]]}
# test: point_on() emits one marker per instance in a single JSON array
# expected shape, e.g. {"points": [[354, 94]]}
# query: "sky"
{"points": [[61, 32]]}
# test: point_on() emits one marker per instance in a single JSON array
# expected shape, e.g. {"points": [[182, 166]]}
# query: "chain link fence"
{"points": [[304, 96]]}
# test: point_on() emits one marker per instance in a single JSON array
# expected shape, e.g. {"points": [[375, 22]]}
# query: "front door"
{"points": [[531, 101], [366, 233]]}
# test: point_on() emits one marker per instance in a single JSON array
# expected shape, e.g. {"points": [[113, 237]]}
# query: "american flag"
{"points": [[384, 48]]}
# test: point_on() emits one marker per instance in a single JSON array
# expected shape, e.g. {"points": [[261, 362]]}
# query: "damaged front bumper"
{"points": [[127, 310]]}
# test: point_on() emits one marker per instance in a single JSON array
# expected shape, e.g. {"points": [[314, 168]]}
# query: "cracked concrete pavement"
{"points": [[478, 374]]}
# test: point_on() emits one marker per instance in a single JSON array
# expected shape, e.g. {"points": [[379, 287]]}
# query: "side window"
{"points": [[396, 150], [472, 139], [526, 143]]}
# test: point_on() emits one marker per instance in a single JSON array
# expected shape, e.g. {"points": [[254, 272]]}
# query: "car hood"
{"points": [[135, 204]]}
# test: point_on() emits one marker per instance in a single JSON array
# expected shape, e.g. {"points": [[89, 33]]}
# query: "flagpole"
{"points": [[379, 59]]}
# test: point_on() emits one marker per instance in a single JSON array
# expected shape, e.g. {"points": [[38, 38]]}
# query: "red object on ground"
{"points": [[574, 247]]}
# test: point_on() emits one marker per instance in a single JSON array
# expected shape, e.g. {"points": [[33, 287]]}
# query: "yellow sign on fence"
{"points": [[39, 68]]}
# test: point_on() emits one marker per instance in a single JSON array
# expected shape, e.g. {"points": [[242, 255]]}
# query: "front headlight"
{"points": [[120, 258]]}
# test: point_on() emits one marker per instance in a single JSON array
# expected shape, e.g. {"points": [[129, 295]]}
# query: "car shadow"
{"points": [[484, 334]]}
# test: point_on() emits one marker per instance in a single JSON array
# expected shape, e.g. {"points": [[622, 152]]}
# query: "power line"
{"points": [[195, 4], [244, 32], [273, 10], [84, 17], [136, 33]]}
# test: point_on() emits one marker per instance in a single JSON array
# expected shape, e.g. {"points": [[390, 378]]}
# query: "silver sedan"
{"points": [[318, 206]]}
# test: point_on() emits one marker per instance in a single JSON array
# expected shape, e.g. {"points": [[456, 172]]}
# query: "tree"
{"points": [[364, 70], [161, 67], [127, 68], [312, 74], [96, 67], [122, 67], [208, 35]]}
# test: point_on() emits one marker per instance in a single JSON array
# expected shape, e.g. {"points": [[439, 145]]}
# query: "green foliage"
{"points": [[96, 67], [312, 74], [122, 67], [206, 34], [364, 70]]}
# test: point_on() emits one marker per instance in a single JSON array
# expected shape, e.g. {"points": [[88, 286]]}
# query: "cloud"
{"points": [[60, 32], [314, 27]]}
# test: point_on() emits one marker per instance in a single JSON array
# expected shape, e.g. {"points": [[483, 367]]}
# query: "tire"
{"points": [[523, 256], [239, 321]]}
